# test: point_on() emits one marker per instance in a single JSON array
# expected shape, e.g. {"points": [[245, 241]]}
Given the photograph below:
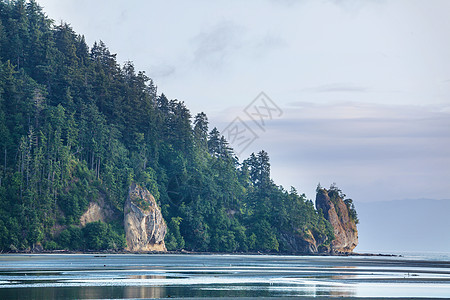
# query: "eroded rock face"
{"points": [[98, 211], [337, 213], [144, 225]]}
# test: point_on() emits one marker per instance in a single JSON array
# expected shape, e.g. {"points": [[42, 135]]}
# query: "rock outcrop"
{"points": [[98, 211], [144, 225], [305, 242], [337, 213]]}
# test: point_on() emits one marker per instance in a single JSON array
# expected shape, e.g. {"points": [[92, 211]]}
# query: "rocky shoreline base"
{"points": [[108, 252]]}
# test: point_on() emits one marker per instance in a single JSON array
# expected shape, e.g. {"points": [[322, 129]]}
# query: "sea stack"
{"points": [[337, 212], [145, 227]]}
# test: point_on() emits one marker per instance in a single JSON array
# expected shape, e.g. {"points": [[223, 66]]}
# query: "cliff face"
{"points": [[98, 211], [337, 213], [144, 225]]}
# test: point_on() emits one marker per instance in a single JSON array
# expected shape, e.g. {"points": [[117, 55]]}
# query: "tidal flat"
{"points": [[140, 276]]}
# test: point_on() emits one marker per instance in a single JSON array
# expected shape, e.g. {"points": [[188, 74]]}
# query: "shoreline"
{"points": [[185, 252]]}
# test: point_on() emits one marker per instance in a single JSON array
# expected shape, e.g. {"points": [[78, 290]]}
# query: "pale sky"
{"points": [[364, 86]]}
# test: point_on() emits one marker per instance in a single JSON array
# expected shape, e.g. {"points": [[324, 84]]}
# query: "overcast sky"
{"points": [[363, 86]]}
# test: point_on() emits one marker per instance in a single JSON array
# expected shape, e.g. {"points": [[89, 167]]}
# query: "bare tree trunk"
{"points": [[98, 168]]}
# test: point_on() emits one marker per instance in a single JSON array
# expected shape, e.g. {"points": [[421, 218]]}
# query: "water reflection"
{"points": [[147, 277], [145, 292], [163, 276]]}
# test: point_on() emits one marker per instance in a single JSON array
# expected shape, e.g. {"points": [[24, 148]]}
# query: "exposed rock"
{"points": [[337, 213], [97, 211], [303, 242], [144, 225], [37, 248]]}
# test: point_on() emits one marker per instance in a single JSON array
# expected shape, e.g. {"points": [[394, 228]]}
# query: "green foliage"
{"points": [[94, 236], [75, 126], [266, 238], [141, 203], [101, 236], [75, 198], [51, 245], [352, 210], [174, 240], [71, 238]]}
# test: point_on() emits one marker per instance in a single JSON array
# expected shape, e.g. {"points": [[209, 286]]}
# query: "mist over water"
{"points": [[160, 276]]}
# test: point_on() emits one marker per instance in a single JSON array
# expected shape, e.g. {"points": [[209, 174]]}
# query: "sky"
{"points": [[355, 92]]}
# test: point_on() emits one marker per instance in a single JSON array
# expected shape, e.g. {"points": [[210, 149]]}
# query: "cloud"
{"points": [[215, 45], [337, 87], [227, 42], [162, 70], [288, 3], [400, 150], [357, 121], [270, 42], [354, 6]]}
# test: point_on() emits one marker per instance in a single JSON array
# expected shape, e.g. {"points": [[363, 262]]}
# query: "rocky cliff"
{"points": [[144, 225], [337, 213], [98, 211]]}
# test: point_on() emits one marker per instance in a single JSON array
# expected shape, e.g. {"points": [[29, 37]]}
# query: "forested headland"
{"points": [[77, 127]]}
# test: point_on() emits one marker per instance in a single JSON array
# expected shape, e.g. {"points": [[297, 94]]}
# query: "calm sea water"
{"points": [[177, 276]]}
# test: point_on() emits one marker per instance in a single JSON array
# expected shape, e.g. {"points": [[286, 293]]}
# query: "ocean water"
{"points": [[139, 276]]}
